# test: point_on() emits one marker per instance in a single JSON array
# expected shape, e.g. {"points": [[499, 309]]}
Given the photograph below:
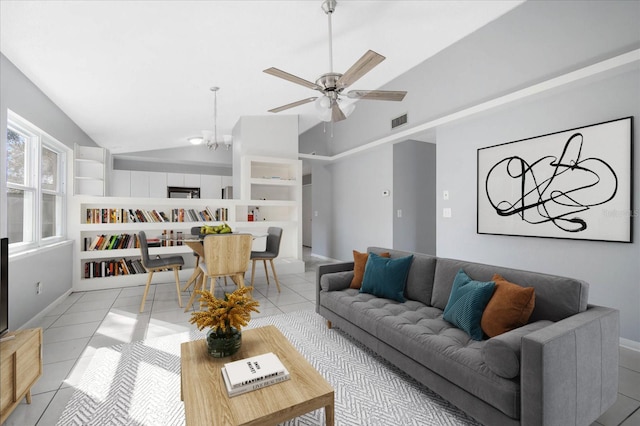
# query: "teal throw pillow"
{"points": [[466, 304], [384, 277]]}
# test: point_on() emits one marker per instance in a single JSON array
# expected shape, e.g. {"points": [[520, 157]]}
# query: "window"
{"points": [[36, 170]]}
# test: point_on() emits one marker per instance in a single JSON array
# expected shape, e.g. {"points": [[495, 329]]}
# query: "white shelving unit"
{"points": [[283, 214], [274, 188], [89, 170]]}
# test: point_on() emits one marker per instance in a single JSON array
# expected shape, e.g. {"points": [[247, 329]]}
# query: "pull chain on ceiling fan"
{"points": [[332, 84]]}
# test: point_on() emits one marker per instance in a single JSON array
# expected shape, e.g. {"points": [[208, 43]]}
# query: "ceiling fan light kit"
{"points": [[330, 105]]}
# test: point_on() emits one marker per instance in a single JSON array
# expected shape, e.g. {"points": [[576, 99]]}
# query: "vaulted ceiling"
{"points": [[135, 75]]}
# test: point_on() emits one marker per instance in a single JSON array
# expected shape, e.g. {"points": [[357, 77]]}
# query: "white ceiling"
{"points": [[135, 75]]}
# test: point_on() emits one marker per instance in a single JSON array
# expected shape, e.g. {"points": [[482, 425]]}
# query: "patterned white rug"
{"points": [[139, 383]]}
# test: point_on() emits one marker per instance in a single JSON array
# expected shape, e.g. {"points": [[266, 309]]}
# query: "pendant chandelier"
{"points": [[211, 137]]}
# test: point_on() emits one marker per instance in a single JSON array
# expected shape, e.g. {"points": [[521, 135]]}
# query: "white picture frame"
{"points": [[573, 184]]}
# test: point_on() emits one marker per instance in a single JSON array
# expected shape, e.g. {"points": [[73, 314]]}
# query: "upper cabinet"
{"points": [[90, 167], [142, 184]]}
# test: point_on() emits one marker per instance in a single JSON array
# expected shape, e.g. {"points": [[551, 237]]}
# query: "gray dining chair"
{"points": [[274, 236], [158, 264], [195, 232]]}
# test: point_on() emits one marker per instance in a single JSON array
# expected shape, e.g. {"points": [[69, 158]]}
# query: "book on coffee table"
{"points": [[253, 370], [252, 386]]}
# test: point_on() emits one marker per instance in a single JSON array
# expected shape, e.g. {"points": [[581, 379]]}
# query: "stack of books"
{"points": [[253, 373]]}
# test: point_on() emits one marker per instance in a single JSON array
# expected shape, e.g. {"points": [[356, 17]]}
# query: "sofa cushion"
{"points": [[510, 307], [384, 277], [467, 302], [502, 353], [556, 297], [420, 280], [359, 263]]}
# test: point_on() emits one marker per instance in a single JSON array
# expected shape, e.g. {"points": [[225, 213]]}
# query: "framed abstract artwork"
{"points": [[573, 184]]}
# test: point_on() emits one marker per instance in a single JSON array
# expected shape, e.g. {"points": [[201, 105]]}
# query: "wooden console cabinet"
{"points": [[20, 367]]}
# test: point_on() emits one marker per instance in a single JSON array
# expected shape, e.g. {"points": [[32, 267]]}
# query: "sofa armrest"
{"points": [[502, 353], [330, 269], [569, 370]]}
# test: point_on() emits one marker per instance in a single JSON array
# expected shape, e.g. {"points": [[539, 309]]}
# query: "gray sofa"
{"points": [[559, 369]]}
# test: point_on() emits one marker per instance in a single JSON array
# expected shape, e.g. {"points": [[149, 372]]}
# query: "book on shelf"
{"points": [[97, 216], [111, 242], [104, 215], [254, 369], [219, 215], [113, 267], [252, 386]]}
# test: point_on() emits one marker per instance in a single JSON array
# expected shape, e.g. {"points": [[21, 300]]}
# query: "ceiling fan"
{"points": [[332, 84]]}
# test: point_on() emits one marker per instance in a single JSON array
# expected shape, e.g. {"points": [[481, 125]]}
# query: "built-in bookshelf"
{"points": [[272, 190], [89, 170], [105, 230]]}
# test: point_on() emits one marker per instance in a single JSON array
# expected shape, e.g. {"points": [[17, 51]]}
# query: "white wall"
{"points": [[611, 269], [263, 135]]}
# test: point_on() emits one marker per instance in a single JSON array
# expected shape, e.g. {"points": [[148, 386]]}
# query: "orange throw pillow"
{"points": [[359, 262], [509, 308]]}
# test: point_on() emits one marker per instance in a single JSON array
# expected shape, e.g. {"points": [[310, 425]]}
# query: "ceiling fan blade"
{"points": [[292, 78], [336, 113], [377, 95], [360, 68], [293, 104]]}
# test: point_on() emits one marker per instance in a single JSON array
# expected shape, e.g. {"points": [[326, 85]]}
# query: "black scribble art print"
{"points": [[554, 188], [571, 184]]}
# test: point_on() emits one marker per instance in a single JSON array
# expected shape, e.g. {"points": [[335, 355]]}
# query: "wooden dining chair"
{"points": [[274, 235], [158, 264], [224, 255]]}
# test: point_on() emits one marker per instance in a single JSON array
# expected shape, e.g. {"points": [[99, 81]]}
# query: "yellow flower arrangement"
{"points": [[221, 315]]}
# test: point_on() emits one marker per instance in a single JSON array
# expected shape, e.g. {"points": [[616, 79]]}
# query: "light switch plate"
{"points": [[446, 212]]}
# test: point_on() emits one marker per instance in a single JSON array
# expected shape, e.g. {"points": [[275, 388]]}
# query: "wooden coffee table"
{"points": [[205, 396]]}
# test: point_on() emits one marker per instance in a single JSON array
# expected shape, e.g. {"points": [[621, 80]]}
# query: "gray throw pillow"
{"points": [[336, 281]]}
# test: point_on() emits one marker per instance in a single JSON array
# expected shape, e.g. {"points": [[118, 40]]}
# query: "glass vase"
{"points": [[220, 345]]}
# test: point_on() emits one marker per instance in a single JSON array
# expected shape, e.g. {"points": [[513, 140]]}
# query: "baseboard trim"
{"points": [[324, 257], [630, 344], [43, 313]]}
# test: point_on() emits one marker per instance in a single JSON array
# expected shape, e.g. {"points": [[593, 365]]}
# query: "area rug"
{"points": [[139, 383]]}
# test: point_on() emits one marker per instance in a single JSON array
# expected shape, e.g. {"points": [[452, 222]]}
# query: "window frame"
{"points": [[37, 140]]}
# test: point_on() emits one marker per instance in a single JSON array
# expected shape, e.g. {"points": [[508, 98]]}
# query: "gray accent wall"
{"points": [[145, 165], [534, 42], [51, 266], [352, 213], [195, 159], [322, 208], [414, 195], [24, 98], [611, 269]]}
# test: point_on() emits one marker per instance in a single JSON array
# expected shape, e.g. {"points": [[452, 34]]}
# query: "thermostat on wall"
{"points": [[385, 192]]}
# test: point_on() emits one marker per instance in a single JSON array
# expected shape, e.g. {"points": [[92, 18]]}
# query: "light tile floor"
{"points": [[86, 321]]}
